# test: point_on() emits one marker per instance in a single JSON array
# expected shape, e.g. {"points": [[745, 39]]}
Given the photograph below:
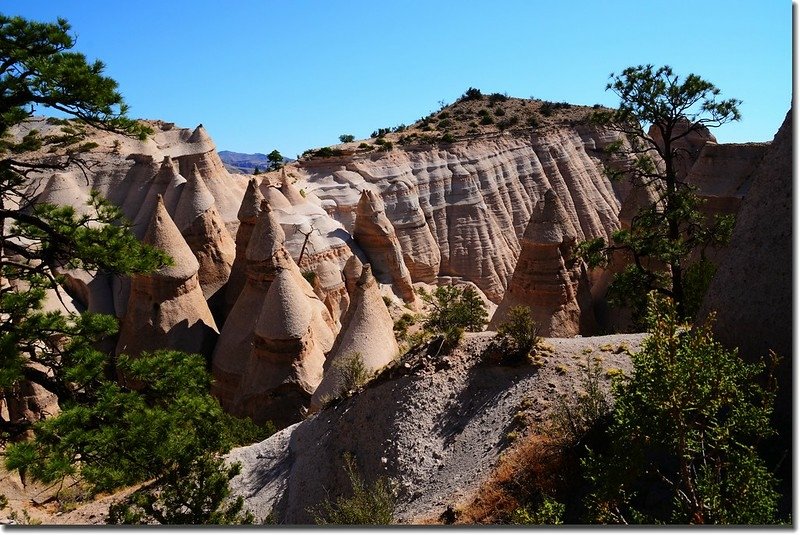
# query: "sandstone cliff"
{"points": [[751, 291], [460, 209]]}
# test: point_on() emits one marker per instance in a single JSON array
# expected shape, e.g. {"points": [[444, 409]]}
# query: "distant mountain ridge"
{"points": [[240, 162]]}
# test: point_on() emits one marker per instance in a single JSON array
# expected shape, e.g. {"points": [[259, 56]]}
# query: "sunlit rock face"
{"points": [[166, 308], [460, 210]]}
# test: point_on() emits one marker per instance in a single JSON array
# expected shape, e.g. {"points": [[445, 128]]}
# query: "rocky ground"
{"points": [[435, 426]]}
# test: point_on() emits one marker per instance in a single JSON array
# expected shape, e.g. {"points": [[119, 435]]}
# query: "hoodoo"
{"points": [[285, 364], [166, 308], [247, 215], [375, 235], [367, 331], [547, 278], [202, 226]]}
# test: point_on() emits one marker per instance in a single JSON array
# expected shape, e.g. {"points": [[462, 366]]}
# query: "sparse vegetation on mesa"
{"points": [[473, 114]]}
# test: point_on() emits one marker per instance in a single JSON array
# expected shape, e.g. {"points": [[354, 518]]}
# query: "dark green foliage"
{"points": [[347, 138], [352, 373], [577, 413], [39, 72], [471, 94], [454, 307], [517, 336], [192, 494], [665, 233], [684, 435], [444, 123], [380, 132], [275, 160], [369, 505], [447, 137], [499, 112], [495, 98], [256, 171], [326, 152], [508, 123], [122, 435], [402, 324], [365, 146], [486, 120]]}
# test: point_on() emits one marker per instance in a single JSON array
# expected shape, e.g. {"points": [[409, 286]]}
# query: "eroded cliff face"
{"points": [[460, 209]]}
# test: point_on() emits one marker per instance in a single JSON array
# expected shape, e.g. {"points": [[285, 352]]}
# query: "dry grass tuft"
{"points": [[531, 468]]}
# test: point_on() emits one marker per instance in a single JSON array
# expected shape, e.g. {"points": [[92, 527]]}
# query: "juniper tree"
{"points": [[664, 233]]}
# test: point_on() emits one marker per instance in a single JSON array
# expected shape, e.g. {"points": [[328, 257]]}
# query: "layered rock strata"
{"points": [[166, 308], [548, 279], [472, 201], [374, 233], [367, 333]]}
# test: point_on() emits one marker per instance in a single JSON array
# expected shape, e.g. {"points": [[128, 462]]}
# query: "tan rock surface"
{"points": [[376, 236], [547, 278], [166, 309], [367, 330], [204, 230], [475, 196], [285, 364], [247, 215]]}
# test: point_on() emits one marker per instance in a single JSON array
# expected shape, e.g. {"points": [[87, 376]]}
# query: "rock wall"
{"points": [[460, 210], [751, 291]]}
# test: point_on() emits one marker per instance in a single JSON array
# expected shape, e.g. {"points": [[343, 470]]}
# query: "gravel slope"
{"points": [[435, 426]]}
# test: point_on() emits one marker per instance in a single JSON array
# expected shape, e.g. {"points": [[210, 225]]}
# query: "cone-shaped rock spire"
{"points": [[368, 331], [375, 235], [547, 279], [166, 308]]}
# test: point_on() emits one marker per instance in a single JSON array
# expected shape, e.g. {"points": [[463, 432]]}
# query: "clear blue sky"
{"points": [[295, 74]]}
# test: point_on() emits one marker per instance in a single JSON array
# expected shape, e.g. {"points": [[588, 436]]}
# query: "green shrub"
{"points": [[452, 306], [369, 505], [347, 138], [351, 372], [577, 412], [499, 112], [685, 425], [310, 276], [494, 98], [549, 512], [326, 152], [472, 94], [486, 120], [447, 137], [518, 334]]}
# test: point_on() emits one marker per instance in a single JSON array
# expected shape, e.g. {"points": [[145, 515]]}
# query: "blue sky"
{"points": [[295, 74]]}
